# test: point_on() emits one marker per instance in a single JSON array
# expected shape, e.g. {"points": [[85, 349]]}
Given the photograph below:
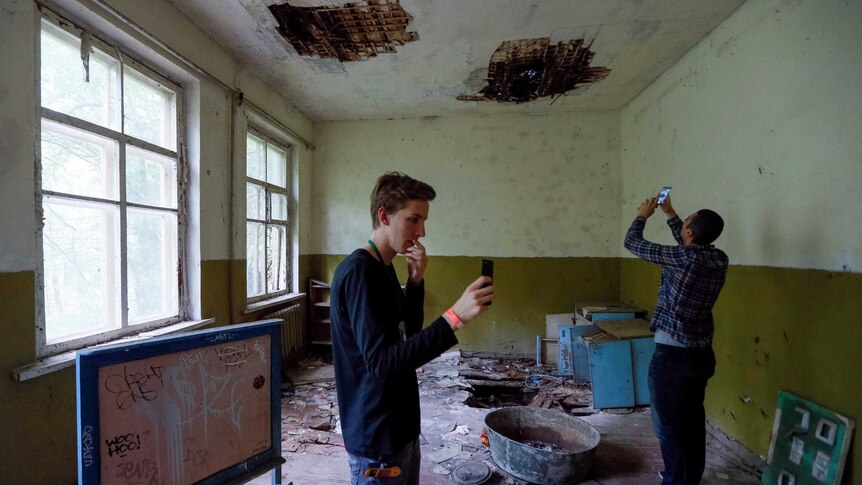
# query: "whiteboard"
{"points": [[201, 407]]}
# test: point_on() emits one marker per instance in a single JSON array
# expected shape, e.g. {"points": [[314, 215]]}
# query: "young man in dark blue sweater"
{"points": [[377, 336]]}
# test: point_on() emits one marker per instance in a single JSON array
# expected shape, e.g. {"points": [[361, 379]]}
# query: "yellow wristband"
{"points": [[454, 318]]}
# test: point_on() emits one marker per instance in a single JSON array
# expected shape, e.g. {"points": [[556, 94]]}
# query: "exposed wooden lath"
{"points": [[355, 31]]}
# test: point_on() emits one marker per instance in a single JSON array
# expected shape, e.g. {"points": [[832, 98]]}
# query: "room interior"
{"points": [[750, 108]]}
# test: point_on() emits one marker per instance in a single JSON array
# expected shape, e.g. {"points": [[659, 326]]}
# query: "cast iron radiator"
{"points": [[292, 331]]}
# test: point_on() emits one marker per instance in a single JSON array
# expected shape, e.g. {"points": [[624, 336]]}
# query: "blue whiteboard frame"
{"points": [[88, 363]]}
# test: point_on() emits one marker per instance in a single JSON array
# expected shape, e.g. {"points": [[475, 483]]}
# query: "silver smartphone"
{"points": [[662, 194]]}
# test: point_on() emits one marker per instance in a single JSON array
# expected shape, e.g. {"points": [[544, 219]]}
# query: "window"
{"points": [[267, 218], [109, 191]]}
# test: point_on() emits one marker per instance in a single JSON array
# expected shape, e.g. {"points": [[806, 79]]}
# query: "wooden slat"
{"points": [[626, 329]]}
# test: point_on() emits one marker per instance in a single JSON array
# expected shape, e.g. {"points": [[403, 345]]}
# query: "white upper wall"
{"points": [[510, 185], [760, 122], [17, 138]]}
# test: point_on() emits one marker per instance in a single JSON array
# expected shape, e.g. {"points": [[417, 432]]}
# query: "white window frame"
{"points": [[289, 224], [43, 348]]}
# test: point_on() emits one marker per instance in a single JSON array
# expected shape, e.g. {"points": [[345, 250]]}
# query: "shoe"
{"points": [[661, 476]]}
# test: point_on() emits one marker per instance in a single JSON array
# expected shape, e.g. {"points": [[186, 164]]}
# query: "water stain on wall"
{"points": [[351, 32], [527, 69]]}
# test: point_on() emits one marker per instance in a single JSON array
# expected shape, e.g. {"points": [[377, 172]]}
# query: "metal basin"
{"points": [[541, 445]]}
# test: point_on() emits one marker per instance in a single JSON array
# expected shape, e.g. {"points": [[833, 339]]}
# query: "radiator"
{"points": [[292, 330]]}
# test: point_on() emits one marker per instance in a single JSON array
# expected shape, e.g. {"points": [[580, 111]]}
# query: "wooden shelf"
{"points": [[319, 320]]}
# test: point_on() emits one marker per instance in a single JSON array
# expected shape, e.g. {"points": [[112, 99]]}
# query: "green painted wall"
{"points": [[38, 416], [527, 289], [775, 329], [223, 289]]}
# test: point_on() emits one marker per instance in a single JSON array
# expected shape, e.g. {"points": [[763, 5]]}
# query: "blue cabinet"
{"points": [[618, 354], [572, 358]]}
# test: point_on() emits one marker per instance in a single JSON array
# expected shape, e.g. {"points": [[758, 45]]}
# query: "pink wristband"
{"points": [[456, 320]]}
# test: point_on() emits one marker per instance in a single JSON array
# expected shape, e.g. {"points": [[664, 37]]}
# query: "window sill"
{"points": [[272, 303], [67, 359]]}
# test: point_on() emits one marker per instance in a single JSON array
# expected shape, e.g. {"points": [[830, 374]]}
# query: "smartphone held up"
{"points": [[488, 270], [662, 194]]}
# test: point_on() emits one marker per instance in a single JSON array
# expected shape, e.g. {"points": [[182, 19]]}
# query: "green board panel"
{"points": [[809, 443]]}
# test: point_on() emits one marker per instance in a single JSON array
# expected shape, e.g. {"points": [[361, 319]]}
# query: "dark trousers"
{"points": [[677, 383]]}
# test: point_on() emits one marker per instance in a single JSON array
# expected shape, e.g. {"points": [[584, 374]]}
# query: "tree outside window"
{"points": [[110, 193], [267, 218]]}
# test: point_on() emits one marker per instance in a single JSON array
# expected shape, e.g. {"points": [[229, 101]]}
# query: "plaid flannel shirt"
{"points": [[691, 278]]}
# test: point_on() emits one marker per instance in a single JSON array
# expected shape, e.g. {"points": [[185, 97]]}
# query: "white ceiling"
{"points": [[636, 39]]}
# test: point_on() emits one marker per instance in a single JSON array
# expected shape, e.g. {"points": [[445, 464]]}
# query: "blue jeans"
{"points": [[409, 459], [677, 384]]}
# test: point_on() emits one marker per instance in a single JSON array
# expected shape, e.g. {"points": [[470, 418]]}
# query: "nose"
{"points": [[421, 230]]}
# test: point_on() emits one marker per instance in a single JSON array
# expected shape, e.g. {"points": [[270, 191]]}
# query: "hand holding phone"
{"points": [[488, 270], [662, 194]]}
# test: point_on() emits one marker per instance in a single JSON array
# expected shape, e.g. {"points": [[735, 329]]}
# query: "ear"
{"points": [[382, 216]]}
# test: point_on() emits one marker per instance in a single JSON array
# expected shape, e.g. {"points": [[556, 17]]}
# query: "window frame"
{"points": [[288, 225], [123, 142]]}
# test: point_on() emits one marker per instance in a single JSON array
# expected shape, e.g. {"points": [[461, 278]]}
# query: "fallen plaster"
{"points": [[452, 430]]}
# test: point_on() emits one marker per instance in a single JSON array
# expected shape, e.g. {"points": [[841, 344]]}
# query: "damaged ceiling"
{"points": [[378, 59]]}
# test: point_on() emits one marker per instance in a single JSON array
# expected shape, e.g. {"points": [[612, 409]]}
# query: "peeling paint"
{"points": [[526, 69], [352, 32]]}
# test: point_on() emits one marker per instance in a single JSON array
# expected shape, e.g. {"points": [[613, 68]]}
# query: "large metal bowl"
{"points": [[542, 446]]}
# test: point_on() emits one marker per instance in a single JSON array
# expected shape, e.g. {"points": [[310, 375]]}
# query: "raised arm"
{"points": [[673, 220], [673, 256]]}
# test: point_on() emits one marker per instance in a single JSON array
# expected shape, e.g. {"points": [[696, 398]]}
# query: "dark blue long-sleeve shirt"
{"points": [[691, 279], [375, 370]]}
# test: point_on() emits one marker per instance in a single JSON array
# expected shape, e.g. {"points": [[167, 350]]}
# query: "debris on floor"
{"points": [[457, 390]]}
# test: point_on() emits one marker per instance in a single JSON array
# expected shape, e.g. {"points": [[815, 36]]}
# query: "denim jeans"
{"points": [[409, 459], [677, 383]]}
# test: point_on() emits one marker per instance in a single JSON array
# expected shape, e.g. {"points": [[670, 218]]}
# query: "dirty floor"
{"points": [[457, 391]]}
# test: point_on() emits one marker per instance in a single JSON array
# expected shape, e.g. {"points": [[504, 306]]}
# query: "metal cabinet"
{"points": [[572, 358], [618, 354]]}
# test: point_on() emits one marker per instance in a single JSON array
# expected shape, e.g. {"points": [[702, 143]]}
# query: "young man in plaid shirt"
{"points": [[692, 275]]}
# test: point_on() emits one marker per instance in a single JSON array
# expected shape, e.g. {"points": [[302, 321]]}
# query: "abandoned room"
{"points": [[175, 172]]}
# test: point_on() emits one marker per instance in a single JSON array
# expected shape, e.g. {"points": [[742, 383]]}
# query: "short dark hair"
{"points": [[393, 190], [706, 226]]}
